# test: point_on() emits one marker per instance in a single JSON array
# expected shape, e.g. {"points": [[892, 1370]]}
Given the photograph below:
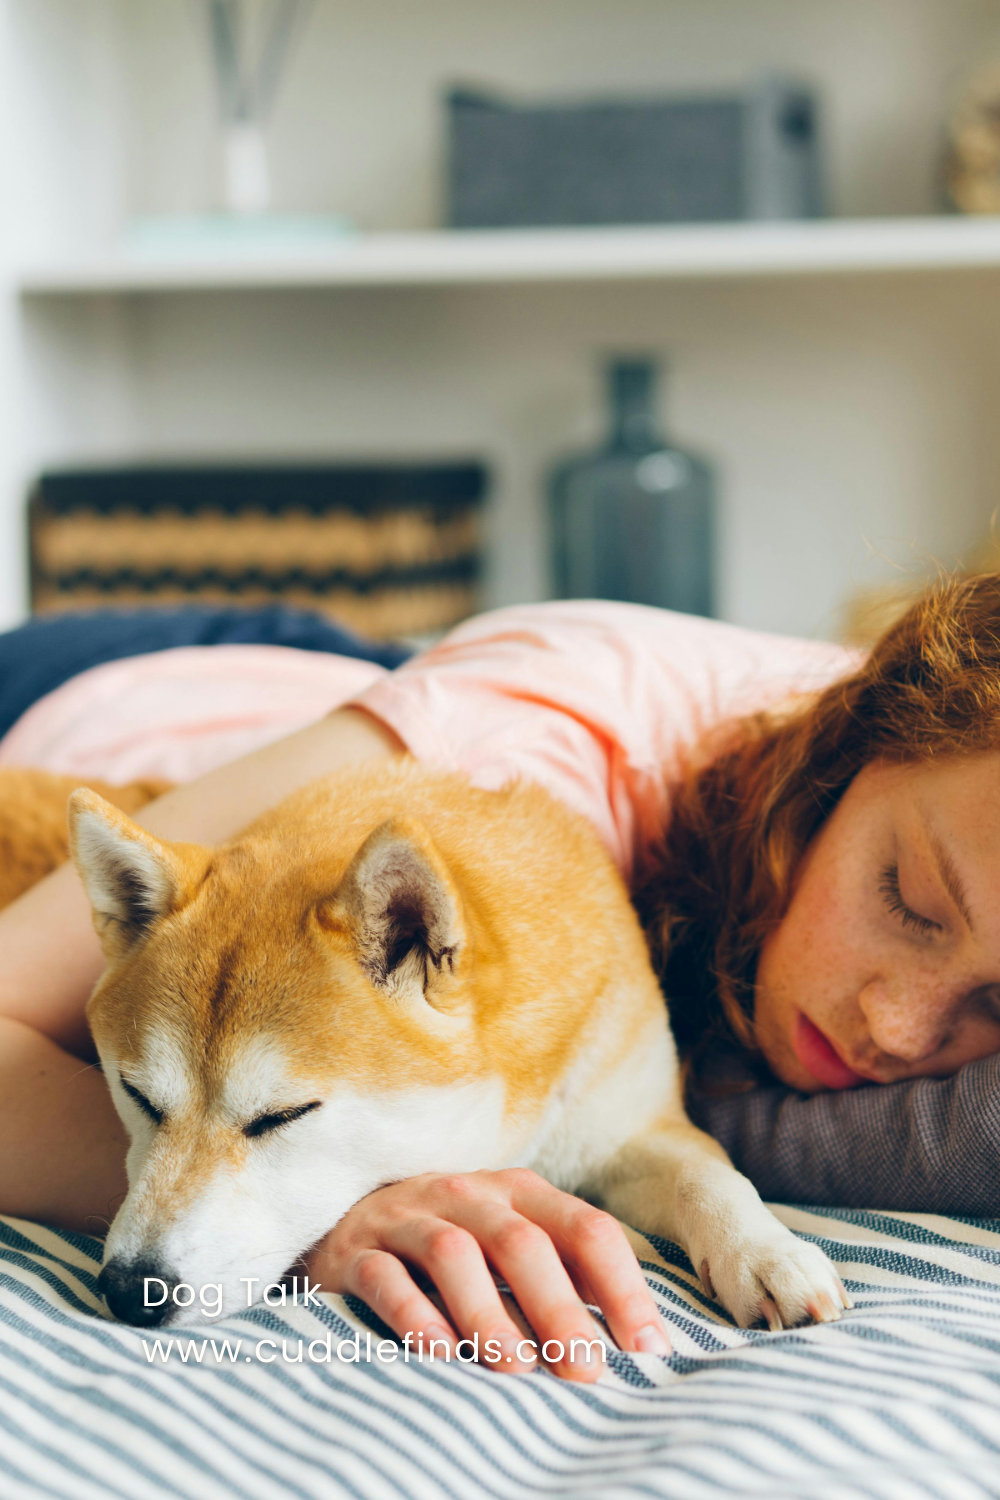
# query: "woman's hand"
{"points": [[552, 1250]]}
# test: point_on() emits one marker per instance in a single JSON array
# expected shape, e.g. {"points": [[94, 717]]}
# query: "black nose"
{"points": [[138, 1291]]}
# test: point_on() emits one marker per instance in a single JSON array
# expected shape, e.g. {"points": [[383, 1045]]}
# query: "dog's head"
{"points": [[285, 1024]]}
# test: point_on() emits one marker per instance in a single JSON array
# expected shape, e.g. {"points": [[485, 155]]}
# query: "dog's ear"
{"points": [[132, 879], [403, 911]]}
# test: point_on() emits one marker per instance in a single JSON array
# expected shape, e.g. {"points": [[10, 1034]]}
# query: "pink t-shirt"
{"points": [[596, 701]]}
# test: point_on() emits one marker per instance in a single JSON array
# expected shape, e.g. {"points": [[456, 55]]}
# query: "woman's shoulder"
{"points": [[609, 658], [577, 624]]}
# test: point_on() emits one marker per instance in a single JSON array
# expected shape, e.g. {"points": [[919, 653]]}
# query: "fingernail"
{"points": [[580, 1349], [652, 1340], [510, 1355]]}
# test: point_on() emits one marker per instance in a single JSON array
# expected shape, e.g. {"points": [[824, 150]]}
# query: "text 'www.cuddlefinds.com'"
{"points": [[354, 1350], [359, 1348]]}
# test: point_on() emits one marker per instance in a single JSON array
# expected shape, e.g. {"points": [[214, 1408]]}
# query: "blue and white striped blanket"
{"points": [[900, 1399]]}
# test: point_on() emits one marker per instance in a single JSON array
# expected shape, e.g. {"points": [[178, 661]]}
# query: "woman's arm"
{"points": [[62, 1145], [931, 1145], [49, 955]]}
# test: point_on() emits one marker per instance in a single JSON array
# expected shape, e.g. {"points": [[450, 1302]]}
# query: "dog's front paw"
{"points": [[777, 1279]]}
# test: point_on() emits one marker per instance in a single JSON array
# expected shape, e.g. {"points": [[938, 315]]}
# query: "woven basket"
{"points": [[390, 550]]}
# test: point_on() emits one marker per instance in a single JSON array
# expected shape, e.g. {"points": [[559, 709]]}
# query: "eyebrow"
{"points": [[950, 877]]}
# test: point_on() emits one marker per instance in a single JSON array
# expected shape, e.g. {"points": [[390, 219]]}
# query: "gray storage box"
{"points": [[689, 159]]}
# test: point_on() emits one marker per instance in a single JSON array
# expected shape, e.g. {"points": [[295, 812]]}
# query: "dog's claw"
{"points": [[823, 1310], [845, 1296], [705, 1276], [772, 1317]]}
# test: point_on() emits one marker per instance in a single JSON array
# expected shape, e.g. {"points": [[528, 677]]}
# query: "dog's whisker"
{"points": [[92, 1067]]}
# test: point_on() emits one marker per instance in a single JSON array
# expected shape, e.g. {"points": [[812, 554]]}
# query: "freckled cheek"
{"points": [[839, 903], [819, 954]]}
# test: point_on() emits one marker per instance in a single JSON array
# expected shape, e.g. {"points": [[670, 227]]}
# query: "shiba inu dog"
{"points": [[393, 973]]}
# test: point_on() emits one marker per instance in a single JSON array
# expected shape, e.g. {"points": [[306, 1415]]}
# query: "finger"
{"points": [[581, 1287], [584, 1290], [567, 1336], [594, 1245], [385, 1285], [454, 1262]]}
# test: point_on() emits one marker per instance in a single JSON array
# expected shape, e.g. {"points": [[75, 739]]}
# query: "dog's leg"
{"points": [[675, 1181]]}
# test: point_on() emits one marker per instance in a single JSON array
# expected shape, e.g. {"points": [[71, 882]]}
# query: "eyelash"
{"points": [[889, 886], [149, 1110], [265, 1124]]}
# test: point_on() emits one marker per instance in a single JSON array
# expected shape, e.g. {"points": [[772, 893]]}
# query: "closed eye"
{"points": [[149, 1110], [893, 897], [264, 1124]]}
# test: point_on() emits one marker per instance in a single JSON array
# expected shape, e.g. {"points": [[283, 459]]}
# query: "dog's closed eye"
{"points": [[264, 1124], [150, 1110]]}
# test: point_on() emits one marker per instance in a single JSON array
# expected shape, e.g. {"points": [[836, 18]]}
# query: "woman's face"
{"points": [[887, 963]]}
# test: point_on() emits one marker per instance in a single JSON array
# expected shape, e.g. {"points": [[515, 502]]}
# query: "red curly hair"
{"points": [[723, 874]]}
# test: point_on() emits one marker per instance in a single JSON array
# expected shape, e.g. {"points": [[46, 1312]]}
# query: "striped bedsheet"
{"points": [[900, 1399]]}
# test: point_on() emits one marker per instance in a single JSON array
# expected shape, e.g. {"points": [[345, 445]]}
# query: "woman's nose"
{"points": [[910, 1022]]}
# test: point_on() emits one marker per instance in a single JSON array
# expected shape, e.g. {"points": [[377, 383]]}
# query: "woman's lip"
{"points": [[818, 1056]]}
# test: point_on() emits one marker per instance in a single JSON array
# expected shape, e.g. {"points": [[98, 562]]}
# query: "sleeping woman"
{"points": [[812, 838]]}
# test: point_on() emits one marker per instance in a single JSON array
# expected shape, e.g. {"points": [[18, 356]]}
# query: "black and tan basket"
{"points": [[390, 550]]}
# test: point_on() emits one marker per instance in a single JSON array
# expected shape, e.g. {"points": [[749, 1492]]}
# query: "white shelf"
{"points": [[825, 247]]}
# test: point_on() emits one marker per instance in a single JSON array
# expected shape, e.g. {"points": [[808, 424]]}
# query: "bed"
{"points": [[900, 1399]]}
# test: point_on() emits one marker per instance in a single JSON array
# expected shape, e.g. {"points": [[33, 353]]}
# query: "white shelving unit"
{"points": [[844, 374], [504, 257]]}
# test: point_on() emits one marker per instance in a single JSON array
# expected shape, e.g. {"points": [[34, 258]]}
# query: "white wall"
{"points": [[63, 181], [852, 423]]}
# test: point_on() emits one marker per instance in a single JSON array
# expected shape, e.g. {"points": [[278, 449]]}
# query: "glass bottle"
{"points": [[636, 520]]}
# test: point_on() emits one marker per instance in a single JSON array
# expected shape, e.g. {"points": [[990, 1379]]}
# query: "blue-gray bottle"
{"points": [[635, 520]]}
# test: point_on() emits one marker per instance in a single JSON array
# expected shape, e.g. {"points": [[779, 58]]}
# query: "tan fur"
{"points": [[526, 987], [34, 838]]}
